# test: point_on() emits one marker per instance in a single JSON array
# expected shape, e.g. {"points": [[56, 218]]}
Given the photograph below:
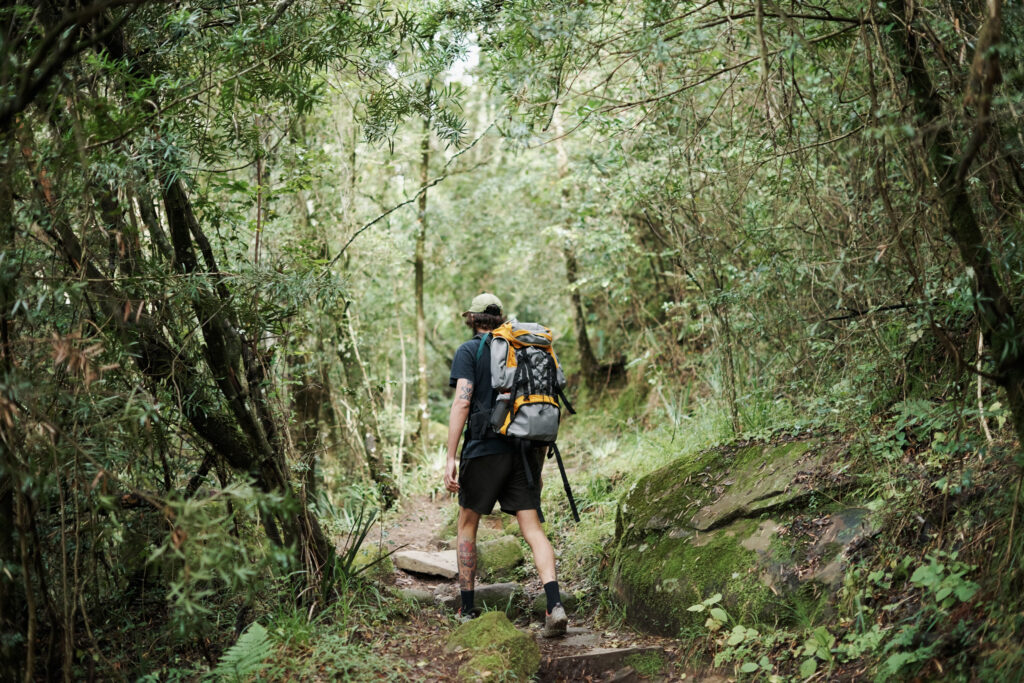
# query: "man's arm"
{"points": [[456, 423]]}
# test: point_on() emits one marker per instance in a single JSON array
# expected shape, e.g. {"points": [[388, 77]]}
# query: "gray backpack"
{"points": [[528, 384]]}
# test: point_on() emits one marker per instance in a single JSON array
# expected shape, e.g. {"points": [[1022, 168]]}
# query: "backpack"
{"points": [[528, 384], [527, 381]]}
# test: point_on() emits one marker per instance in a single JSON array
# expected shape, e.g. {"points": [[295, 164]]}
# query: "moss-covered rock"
{"points": [[497, 649], [483, 533], [659, 579], [698, 526], [373, 563], [498, 557], [540, 603], [511, 527]]}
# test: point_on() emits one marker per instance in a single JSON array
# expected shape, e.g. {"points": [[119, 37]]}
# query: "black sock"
{"points": [[467, 602], [551, 591]]}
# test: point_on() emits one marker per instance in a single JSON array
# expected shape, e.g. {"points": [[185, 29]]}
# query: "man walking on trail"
{"points": [[490, 469]]}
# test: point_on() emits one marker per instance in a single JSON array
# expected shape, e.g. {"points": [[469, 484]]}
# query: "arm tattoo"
{"points": [[467, 564], [465, 389]]}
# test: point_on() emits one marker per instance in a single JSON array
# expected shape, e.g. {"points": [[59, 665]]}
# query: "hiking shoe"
{"points": [[471, 614], [555, 622]]}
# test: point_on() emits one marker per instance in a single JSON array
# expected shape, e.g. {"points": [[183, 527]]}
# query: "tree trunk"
{"points": [[1000, 322], [421, 318], [589, 367], [13, 614]]}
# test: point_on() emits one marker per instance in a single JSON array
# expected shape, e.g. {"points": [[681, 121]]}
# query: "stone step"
{"points": [[489, 596], [594, 661], [442, 563]]}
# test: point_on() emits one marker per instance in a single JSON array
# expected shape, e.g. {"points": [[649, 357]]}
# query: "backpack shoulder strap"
{"points": [[480, 347]]}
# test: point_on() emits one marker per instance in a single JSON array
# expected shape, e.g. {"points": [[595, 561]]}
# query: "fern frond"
{"points": [[245, 657]]}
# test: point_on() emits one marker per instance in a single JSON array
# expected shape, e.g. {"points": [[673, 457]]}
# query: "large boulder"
{"points": [[496, 650], [747, 522]]}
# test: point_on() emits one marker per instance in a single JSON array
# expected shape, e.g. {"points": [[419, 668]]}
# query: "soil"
{"points": [[420, 639]]}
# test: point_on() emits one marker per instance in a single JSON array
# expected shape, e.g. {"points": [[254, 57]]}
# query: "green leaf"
{"points": [[748, 667], [719, 613], [808, 667], [738, 635], [695, 608]]}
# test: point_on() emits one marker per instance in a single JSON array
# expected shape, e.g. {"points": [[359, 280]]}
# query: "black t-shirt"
{"points": [[466, 366]]}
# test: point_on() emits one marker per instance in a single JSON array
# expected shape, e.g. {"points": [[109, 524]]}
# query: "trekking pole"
{"points": [[565, 482]]}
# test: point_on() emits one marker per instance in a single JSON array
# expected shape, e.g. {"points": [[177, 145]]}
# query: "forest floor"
{"points": [[420, 639]]}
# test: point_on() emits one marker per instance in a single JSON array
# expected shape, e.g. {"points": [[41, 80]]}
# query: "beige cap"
{"points": [[482, 301]]}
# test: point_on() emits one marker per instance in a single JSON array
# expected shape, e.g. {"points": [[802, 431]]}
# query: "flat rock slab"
{"points": [[441, 563], [418, 596], [596, 660], [772, 484], [493, 596], [580, 637]]}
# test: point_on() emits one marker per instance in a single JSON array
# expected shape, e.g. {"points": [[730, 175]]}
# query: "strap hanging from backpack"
{"points": [[565, 481]]}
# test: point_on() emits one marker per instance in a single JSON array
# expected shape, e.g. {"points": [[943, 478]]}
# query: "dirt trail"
{"points": [[420, 640]]}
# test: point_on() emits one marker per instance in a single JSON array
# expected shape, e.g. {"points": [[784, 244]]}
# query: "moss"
{"points": [[664, 563], [671, 495], [659, 582], [499, 556], [449, 528], [646, 663], [484, 666], [499, 650], [379, 571]]}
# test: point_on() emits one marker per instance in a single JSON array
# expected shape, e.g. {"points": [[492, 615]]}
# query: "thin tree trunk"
{"points": [[589, 366], [26, 573], [396, 469], [421, 318]]}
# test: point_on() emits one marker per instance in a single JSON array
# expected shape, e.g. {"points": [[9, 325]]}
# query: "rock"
{"points": [[370, 562], [418, 596], [511, 528], [497, 649], [626, 674], [540, 603], [483, 533], [598, 659], [441, 563], [696, 527], [507, 597], [771, 484], [580, 637], [494, 521], [499, 556]]}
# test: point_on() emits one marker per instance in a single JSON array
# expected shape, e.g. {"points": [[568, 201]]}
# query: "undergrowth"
{"points": [[938, 593]]}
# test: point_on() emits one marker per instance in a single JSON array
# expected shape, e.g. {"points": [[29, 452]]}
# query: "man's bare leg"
{"points": [[469, 520], [543, 553], [555, 621]]}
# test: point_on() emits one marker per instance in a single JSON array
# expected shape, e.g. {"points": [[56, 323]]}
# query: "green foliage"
{"points": [[246, 658], [759, 238]]}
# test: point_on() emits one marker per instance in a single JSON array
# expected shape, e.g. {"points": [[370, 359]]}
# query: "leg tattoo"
{"points": [[467, 564]]}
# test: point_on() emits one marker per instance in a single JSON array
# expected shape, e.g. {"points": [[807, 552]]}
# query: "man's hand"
{"points": [[450, 478], [456, 421]]}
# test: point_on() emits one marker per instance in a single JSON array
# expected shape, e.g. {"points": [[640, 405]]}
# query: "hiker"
{"points": [[490, 468]]}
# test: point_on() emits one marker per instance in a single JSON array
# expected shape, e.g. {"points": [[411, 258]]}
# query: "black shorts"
{"points": [[487, 479]]}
